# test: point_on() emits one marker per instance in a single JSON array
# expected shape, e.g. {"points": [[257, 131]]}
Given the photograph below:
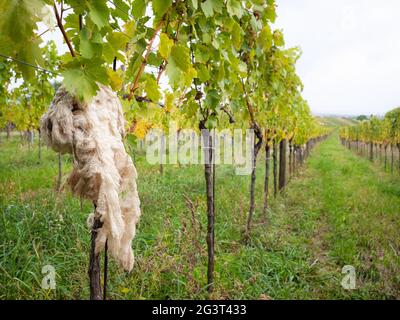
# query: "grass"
{"points": [[338, 210]]}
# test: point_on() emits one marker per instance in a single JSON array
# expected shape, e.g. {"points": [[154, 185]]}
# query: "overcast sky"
{"points": [[351, 53]]}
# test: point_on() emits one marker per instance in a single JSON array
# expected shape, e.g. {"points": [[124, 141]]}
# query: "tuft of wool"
{"points": [[102, 172]]}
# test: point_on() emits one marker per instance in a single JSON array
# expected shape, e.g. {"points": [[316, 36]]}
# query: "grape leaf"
{"points": [[270, 11], [265, 38], [173, 73], [88, 48], [195, 4], [203, 73], [152, 90], [189, 75], [18, 21], [115, 79], [278, 38], [121, 9], [82, 76], [166, 45], [234, 8], [237, 36], [209, 7], [99, 13], [181, 56], [160, 7], [138, 8], [212, 99]]}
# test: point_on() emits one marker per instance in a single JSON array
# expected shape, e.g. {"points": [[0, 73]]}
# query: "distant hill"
{"points": [[332, 121]]}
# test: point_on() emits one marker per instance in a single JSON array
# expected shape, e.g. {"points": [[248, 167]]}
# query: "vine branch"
{"points": [[135, 84], [254, 124], [61, 27], [229, 114]]}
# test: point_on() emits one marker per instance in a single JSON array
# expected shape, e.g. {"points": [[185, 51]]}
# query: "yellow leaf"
{"points": [[169, 105], [115, 80]]}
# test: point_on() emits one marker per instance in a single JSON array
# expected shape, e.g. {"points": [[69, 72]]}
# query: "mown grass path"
{"points": [[346, 211], [339, 210]]}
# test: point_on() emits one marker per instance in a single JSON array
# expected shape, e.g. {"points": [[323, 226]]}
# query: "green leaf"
{"points": [[235, 8], [88, 49], [181, 56], [237, 36], [121, 9], [212, 99], [99, 13], [81, 77], [202, 73], [152, 90], [18, 21], [265, 38], [209, 7], [189, 75], [258, 2], [115, 46], [117, 40], [154, 60], [130, 28], [134, 65], [195, 4], [77, 83], [211, 123], [166, 45], [278, 38], [173, 73], [138, 8], [160, 7], [190, 109], [221, 72], [270, 11]]}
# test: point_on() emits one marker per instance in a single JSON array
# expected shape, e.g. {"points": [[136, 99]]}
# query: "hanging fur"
{"points": [[103, 172]]}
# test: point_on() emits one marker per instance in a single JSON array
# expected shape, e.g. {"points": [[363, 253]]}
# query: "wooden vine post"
{"points": [[94, 262], [266, 178], [275, 161], [282, 164], [209, 173]]}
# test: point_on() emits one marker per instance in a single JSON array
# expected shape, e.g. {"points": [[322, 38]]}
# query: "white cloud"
{"points": [[350, 62]]}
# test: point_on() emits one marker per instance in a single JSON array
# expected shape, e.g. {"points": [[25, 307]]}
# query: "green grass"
{"points": [[339, 210]]}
